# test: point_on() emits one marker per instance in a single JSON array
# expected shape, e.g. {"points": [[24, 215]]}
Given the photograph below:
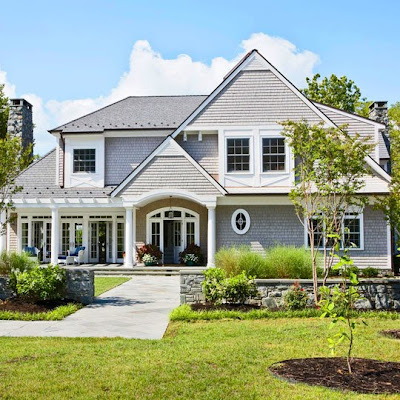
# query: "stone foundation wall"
{"points": [[79, 286], [378, 293]]}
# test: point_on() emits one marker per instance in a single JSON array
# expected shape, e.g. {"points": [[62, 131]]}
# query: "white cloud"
{"points": [[151, 74]]}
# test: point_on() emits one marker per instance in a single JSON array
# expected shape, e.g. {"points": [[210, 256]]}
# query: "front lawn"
{"points": [[105, 283], [202, 360]]}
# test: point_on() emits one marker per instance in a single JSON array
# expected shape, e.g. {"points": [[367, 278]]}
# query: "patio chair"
{"points": [[33, 252], [78, 254]]}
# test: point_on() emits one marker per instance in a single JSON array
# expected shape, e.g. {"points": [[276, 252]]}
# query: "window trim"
{"points": [[360, 217], [233, 221], [73, 161], [273, 136], [240, 135]]}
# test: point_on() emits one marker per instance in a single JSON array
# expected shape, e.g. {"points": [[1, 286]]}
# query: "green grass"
{"points": [[55, 315], [185, 313], [105, 283], [202, 360]]}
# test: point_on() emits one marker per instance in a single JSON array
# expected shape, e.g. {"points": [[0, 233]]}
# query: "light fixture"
{"points": [[170, 212]]}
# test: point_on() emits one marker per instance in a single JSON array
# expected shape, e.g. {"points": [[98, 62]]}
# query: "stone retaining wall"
{"points": [[378, 293], [79, 286]]}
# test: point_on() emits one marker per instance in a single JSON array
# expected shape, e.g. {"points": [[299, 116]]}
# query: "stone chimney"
{"points": [[378, 111], [20, 122]]}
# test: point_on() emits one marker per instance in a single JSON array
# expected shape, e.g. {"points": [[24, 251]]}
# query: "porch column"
{"points": [[133, 245], [3, 235], [54, 235], [211, 236], [128, 237]]}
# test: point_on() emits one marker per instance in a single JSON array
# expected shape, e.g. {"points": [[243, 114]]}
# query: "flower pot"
{"points": [[148, 264], [189, 263]]}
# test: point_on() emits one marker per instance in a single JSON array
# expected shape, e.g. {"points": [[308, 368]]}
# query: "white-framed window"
{"points": [[273, 154], [238, 154], [352, 235], [240, 221], [84, 160]]}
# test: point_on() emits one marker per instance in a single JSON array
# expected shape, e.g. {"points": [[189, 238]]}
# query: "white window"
{"points": [[240, 221], [351, 236], [84, 160], [238, 154], [273, 154]]}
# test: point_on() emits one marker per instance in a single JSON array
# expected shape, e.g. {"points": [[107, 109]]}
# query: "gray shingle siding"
{"points": [[124, 154], [255, 98], [272, 225], [205, 152], [169, 172]]}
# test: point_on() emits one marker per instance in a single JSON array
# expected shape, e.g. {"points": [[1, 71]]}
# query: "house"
{"points": [[173, 170]]}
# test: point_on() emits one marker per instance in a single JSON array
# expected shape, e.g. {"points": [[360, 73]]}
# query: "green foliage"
{"points": [[12, 261], [4, 111], [57, 314], [185, 313], [337, 92], [39, 283], [150, 249], [338, 304], [348, 271], [370, 272], [296, 298], [217, 288], [277, 262]]}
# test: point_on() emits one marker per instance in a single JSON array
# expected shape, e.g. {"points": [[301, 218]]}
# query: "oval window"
{"points": [[240, 221]]}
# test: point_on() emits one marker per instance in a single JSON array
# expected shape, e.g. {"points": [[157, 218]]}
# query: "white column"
{"points": [[128, 237], [3, 233], [134, 235], [85, 237], [211, 236], [54, 235]]}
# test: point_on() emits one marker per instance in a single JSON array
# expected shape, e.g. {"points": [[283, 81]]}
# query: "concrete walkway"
{"points": [[137, 309]]}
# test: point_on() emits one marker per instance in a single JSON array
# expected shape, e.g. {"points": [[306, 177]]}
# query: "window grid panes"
{"points": [[240, 221], [84, 160], [177, 233], [120, 239], [24, 234], [238, 155], [48, 237], [93, 240], [189, 233], [352, 232], [78, 234], [155, 233], [274, 157], [65, 238]]}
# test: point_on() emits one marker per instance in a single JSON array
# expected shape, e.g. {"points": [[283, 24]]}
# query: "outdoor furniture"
{"points": [[67, 260], [77, 254], [32, 251], [79, 258]]}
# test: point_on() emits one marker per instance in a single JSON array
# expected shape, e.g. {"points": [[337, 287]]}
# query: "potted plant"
{"points": [[149, 260], [193, 250], [190, 259], [149, 250]]}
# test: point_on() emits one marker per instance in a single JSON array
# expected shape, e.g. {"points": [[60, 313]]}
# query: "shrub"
{"points": [[370, 272], [40, 283], [151, 249], [239, 288], [217, 288], [347, 271], [213, 288], [296, 298], [228, 259], [12, 261], [192, 249]]}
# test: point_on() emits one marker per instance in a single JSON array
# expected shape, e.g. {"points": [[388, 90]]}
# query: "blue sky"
{"points": [[73, 56]]}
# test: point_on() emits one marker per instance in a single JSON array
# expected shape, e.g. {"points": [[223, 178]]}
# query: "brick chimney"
{"points": [[20, 122]]}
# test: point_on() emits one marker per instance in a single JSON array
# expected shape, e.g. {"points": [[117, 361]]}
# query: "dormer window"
{"points": [[273, 154], [238, 155], [84, 160]]}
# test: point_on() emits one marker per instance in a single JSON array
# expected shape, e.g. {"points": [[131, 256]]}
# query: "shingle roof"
{"points": [[39, 181], [147, 112]]}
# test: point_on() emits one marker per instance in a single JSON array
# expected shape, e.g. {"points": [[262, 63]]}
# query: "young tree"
{"points": [[329, 174], [341, 92], [13, 160], [3, 112]]}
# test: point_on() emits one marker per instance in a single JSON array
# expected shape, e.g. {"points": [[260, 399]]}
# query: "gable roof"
{"points": [[135, 112], [169, 147]]}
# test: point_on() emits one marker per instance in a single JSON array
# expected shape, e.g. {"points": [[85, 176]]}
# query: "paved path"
{"points": [[138, 309]]}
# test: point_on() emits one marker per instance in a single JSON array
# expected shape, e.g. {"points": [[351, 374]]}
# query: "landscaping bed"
{"points": [[369, 376], [227, 307], [20, 305], [393, 333]]}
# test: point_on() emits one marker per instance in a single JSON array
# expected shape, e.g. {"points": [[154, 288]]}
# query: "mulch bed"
{"points": [[369, 376], [229, 307], [393, 333], [23, 306]]}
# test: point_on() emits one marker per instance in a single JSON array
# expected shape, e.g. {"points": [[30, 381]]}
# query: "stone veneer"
{"points": [[378, 293], [79, 286]]}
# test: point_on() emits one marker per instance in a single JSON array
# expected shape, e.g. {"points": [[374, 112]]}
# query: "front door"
{"points": [[101, 242], [172, 241]]}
